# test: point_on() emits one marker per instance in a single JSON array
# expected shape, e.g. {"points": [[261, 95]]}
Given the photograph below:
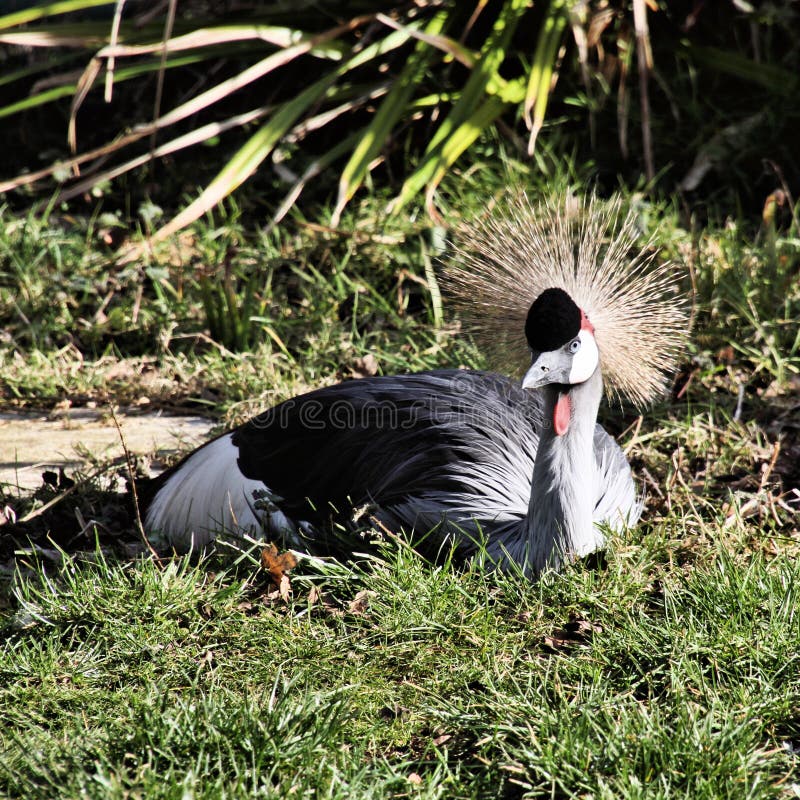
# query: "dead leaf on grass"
{"points": [[317, 598], [360, 603], [278, 564], [576, 632]]}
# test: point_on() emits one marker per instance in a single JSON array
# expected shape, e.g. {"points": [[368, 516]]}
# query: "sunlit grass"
{"points": [[669, 668]]}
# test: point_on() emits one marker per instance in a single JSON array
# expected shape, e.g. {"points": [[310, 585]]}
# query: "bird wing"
{"points": [[447, 444]]}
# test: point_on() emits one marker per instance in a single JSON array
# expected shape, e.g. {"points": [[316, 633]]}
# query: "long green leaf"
{"points": [[432, 170], [472, 97], [48, 10], [316, 167], [391, 109], [432, 36], [492, 56], [127, 73], [543, 67], [464, 137], [250, 156], [247, 159], [776, 79]]}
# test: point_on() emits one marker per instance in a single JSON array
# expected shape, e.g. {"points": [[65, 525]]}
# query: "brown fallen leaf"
{"points": [[556, 642], [317, 598], [278, 564], [365, 367], [576, 631], [582, 628], [271, 598], [360, 603]]}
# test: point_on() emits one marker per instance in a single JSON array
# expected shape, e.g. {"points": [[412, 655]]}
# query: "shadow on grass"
{"points": [[70, 514]]}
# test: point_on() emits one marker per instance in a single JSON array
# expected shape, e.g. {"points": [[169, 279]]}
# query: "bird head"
{"points": [[561, 339], [602, 299]]}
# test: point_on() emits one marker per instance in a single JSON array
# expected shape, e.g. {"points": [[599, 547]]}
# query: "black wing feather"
{"points": [[384, 440]]}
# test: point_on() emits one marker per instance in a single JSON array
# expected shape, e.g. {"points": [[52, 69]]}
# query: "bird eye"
{"points": [[575, 345]]}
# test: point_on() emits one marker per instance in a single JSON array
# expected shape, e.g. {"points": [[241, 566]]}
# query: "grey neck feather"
{"points": [[559, 522]]}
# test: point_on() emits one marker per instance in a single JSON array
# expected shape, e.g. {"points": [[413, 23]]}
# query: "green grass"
{"points": [[670, 668], [144, 680], [321, 299]]}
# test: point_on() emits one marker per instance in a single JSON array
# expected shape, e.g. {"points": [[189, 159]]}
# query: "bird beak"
{"points": [[550, 367]]}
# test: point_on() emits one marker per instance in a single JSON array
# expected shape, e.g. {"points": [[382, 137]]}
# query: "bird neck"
{"points": [[563, 493]]}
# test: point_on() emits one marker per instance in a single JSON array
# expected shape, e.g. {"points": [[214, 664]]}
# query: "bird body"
{"points": [[448, 454], [463, 460]]}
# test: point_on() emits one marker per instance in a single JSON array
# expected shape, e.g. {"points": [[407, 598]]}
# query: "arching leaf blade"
{"points": [[393, 107], [544, 56], [486, 69], [28, 15], [252, 154], [124, 74], [433, 169], [470, 107], [246, 160], [543, 69]]}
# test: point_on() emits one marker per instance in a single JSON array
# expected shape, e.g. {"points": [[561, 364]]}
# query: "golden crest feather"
{"points": [[502, 262]]}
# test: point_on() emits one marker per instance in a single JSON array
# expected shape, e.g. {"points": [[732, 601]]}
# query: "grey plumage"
{"points": [[448, 454]]}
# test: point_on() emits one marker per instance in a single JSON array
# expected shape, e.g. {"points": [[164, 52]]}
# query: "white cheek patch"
{"points": [[585, 361]]}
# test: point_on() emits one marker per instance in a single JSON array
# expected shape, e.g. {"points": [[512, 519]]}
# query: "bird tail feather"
{"points": [[205, 496]]}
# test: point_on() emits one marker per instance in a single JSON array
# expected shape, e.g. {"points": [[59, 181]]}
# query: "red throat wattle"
{"points": [[562, 413]]}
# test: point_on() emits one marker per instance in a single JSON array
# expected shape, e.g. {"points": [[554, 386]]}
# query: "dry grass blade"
{"points": [[204, 100], [194, 137], [645, 60], [444, 43], [82, 89], [50, 39], [139, 132], [169, 25], [249, 157], [113, 41], [221, 90]]}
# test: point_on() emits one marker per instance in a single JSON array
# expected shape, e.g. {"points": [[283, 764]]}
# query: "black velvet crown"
{"points": [[553, 320]]}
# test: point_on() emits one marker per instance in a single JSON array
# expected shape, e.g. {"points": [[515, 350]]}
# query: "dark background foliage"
{"points": [[721, 115]]}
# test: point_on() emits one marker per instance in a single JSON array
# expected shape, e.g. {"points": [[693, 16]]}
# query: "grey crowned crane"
{"points": [[464, 459]]}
